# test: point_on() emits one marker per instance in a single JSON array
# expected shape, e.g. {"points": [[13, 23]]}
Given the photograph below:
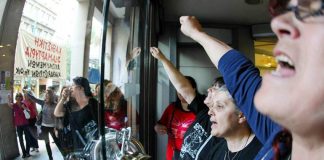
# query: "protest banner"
{"points": [[39, 58]]}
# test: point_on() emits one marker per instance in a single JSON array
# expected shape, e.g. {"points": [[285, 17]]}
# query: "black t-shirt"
{"points": [[79, 119], [220, 151], [199, 130]]}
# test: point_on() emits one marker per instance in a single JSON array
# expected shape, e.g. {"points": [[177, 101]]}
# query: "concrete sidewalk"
{"points": [[42, 154]]}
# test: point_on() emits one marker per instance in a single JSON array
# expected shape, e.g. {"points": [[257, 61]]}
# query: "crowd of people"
{"points": [[71, 118], [254, 117], [60, 116], [244, 116]]}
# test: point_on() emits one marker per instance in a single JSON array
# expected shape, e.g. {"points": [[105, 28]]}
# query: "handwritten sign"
{"points": [[39, 58]]}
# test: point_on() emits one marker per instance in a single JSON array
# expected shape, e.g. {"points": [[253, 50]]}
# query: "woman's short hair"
{"points": [[224, 90], [83, 82], [219, 82]]}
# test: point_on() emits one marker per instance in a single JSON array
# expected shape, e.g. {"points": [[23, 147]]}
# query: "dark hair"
{"points": [[83, 82], [51, 94], [63, 89], [192, 82], [277, 7], [219, 81], [105, 82], [19, 95], [51, 88]]}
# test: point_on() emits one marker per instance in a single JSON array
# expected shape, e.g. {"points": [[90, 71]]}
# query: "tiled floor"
{"points": [[42, 154]]}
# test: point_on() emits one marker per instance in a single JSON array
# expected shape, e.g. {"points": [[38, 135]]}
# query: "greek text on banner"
{"points": [[39, 58]]}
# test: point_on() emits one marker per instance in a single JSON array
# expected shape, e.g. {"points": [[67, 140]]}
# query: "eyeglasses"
{"points": [[302, 13]]}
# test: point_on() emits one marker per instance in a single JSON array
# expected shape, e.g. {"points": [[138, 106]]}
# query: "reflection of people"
{"points": [[47, 121], [21, 123], [175, 121], [81, 113], [124, 69], [116, 107], [286, 95], [131, 56], [32, 120], [97, 89], [229, 123], [199, 131]]}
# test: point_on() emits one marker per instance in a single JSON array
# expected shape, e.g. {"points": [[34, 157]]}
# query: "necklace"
{"points": [[227, 153]]}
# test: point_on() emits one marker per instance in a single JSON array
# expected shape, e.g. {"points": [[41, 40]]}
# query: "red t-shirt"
{"points": [[19, 116], [181, 120], [115, 120], [32, 107]]}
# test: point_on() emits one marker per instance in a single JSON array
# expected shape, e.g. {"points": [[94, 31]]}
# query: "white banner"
{"points": [[39, 58]]}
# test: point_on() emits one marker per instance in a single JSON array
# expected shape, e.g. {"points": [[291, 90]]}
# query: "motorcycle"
{"points": [[120, 145]]}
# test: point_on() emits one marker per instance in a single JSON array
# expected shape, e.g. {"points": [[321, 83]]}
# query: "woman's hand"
{"points": [[190, 26], [135, 52], [160, 129], [65, 94], [156, 53]]}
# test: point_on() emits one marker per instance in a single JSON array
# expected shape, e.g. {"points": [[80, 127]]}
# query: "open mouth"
{"points": [[213, 122], [285, 68]]}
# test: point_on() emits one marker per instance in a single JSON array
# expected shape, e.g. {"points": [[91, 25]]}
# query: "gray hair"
{"points": [[224, 90]]}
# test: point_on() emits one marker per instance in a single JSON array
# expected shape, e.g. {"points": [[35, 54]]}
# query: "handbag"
{"points": [[26, 113]]}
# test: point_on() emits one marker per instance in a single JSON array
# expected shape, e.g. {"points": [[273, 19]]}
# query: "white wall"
{"points": [[194, 62], [78, 38], [120, 36]]}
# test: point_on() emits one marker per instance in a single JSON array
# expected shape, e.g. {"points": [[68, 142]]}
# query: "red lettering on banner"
{"points": [[41, 55], [27, 52], [47, 45]]}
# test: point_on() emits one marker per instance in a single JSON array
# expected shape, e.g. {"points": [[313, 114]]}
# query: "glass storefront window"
{"points": [[59, 40]]}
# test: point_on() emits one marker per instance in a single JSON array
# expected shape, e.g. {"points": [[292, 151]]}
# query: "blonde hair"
{"points": [[111, 89]]}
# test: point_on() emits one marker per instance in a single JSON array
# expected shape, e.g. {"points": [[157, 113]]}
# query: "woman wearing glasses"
{"points": [[286, 110], [21, 123], [81, 109]]}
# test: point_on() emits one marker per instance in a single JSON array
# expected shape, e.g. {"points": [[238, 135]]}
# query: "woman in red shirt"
{"points": [[32, 120], [175, 121], [20, 122], [116, 107]]}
